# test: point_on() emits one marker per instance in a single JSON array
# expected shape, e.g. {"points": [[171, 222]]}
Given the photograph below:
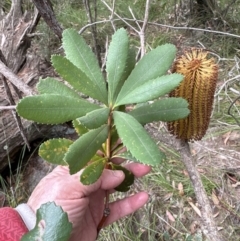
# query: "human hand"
{"points": [[85, 204]]}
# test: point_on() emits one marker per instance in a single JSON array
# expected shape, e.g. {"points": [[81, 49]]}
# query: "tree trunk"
{"points": [[46, 11], [16, 33]]}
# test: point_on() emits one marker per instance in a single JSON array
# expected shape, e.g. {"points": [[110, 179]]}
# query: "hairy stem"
{"points": [[106, 210]]}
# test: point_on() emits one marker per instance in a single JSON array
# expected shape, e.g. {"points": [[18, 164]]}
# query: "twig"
{"points": [[105, 56], [111, 16], [168, 224], [196, 29], [209, 226], [93, 29], [125, 20], [120, 18], [136, 21], [97, 22], [234, 91], [224, 84], [143, 29], [10, 107], [229, 110]]}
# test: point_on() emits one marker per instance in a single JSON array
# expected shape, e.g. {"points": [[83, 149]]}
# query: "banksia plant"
{"points": [[198, 87], [101, 124]]}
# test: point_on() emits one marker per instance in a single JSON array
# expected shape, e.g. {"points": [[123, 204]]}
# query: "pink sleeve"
{"points": [[12, 228]]}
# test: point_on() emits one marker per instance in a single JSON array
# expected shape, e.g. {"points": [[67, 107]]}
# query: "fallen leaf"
{"points": [[185, 173], [170, 216], [180, 189], [167, 196], [235, 136], [215, 199], [231, 136], [201, 170], [196, 209], [216, 214]]}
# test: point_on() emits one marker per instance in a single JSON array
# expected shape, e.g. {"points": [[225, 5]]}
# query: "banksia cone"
{"points": [[198, 89]]}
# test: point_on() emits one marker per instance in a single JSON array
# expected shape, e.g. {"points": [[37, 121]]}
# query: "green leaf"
{"points": [[79, 128], [114, 145], [151, 89], [169, 109], [56, 224], [95, 119], [128, 180], [92, 172], [54, 150], [151, 66], [84, 148], [136, 139], [53, 86], [128, 68], [79, 53], [53, 109], [116, 62], [126, 155], [76, 78], [131, 61]]}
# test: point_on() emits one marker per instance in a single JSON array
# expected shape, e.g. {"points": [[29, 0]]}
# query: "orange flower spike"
{"points": [[198, 87]]}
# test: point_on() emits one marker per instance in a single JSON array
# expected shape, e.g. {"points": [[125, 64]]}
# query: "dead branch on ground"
{"points": [[209, 227]]}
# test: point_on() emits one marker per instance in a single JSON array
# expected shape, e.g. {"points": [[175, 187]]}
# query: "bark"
{"points": [[15, 35], [20, 69], [208, 226], [46, 11]]}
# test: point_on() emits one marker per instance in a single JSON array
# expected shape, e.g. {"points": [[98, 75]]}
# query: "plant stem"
{"points": [[108, 141], [106, 213], [107, 210]]}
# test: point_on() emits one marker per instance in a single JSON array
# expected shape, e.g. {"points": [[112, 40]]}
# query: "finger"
{"points": [[117, 160], [126, 206], [108, 181], [138, 169], [111, 179]]}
